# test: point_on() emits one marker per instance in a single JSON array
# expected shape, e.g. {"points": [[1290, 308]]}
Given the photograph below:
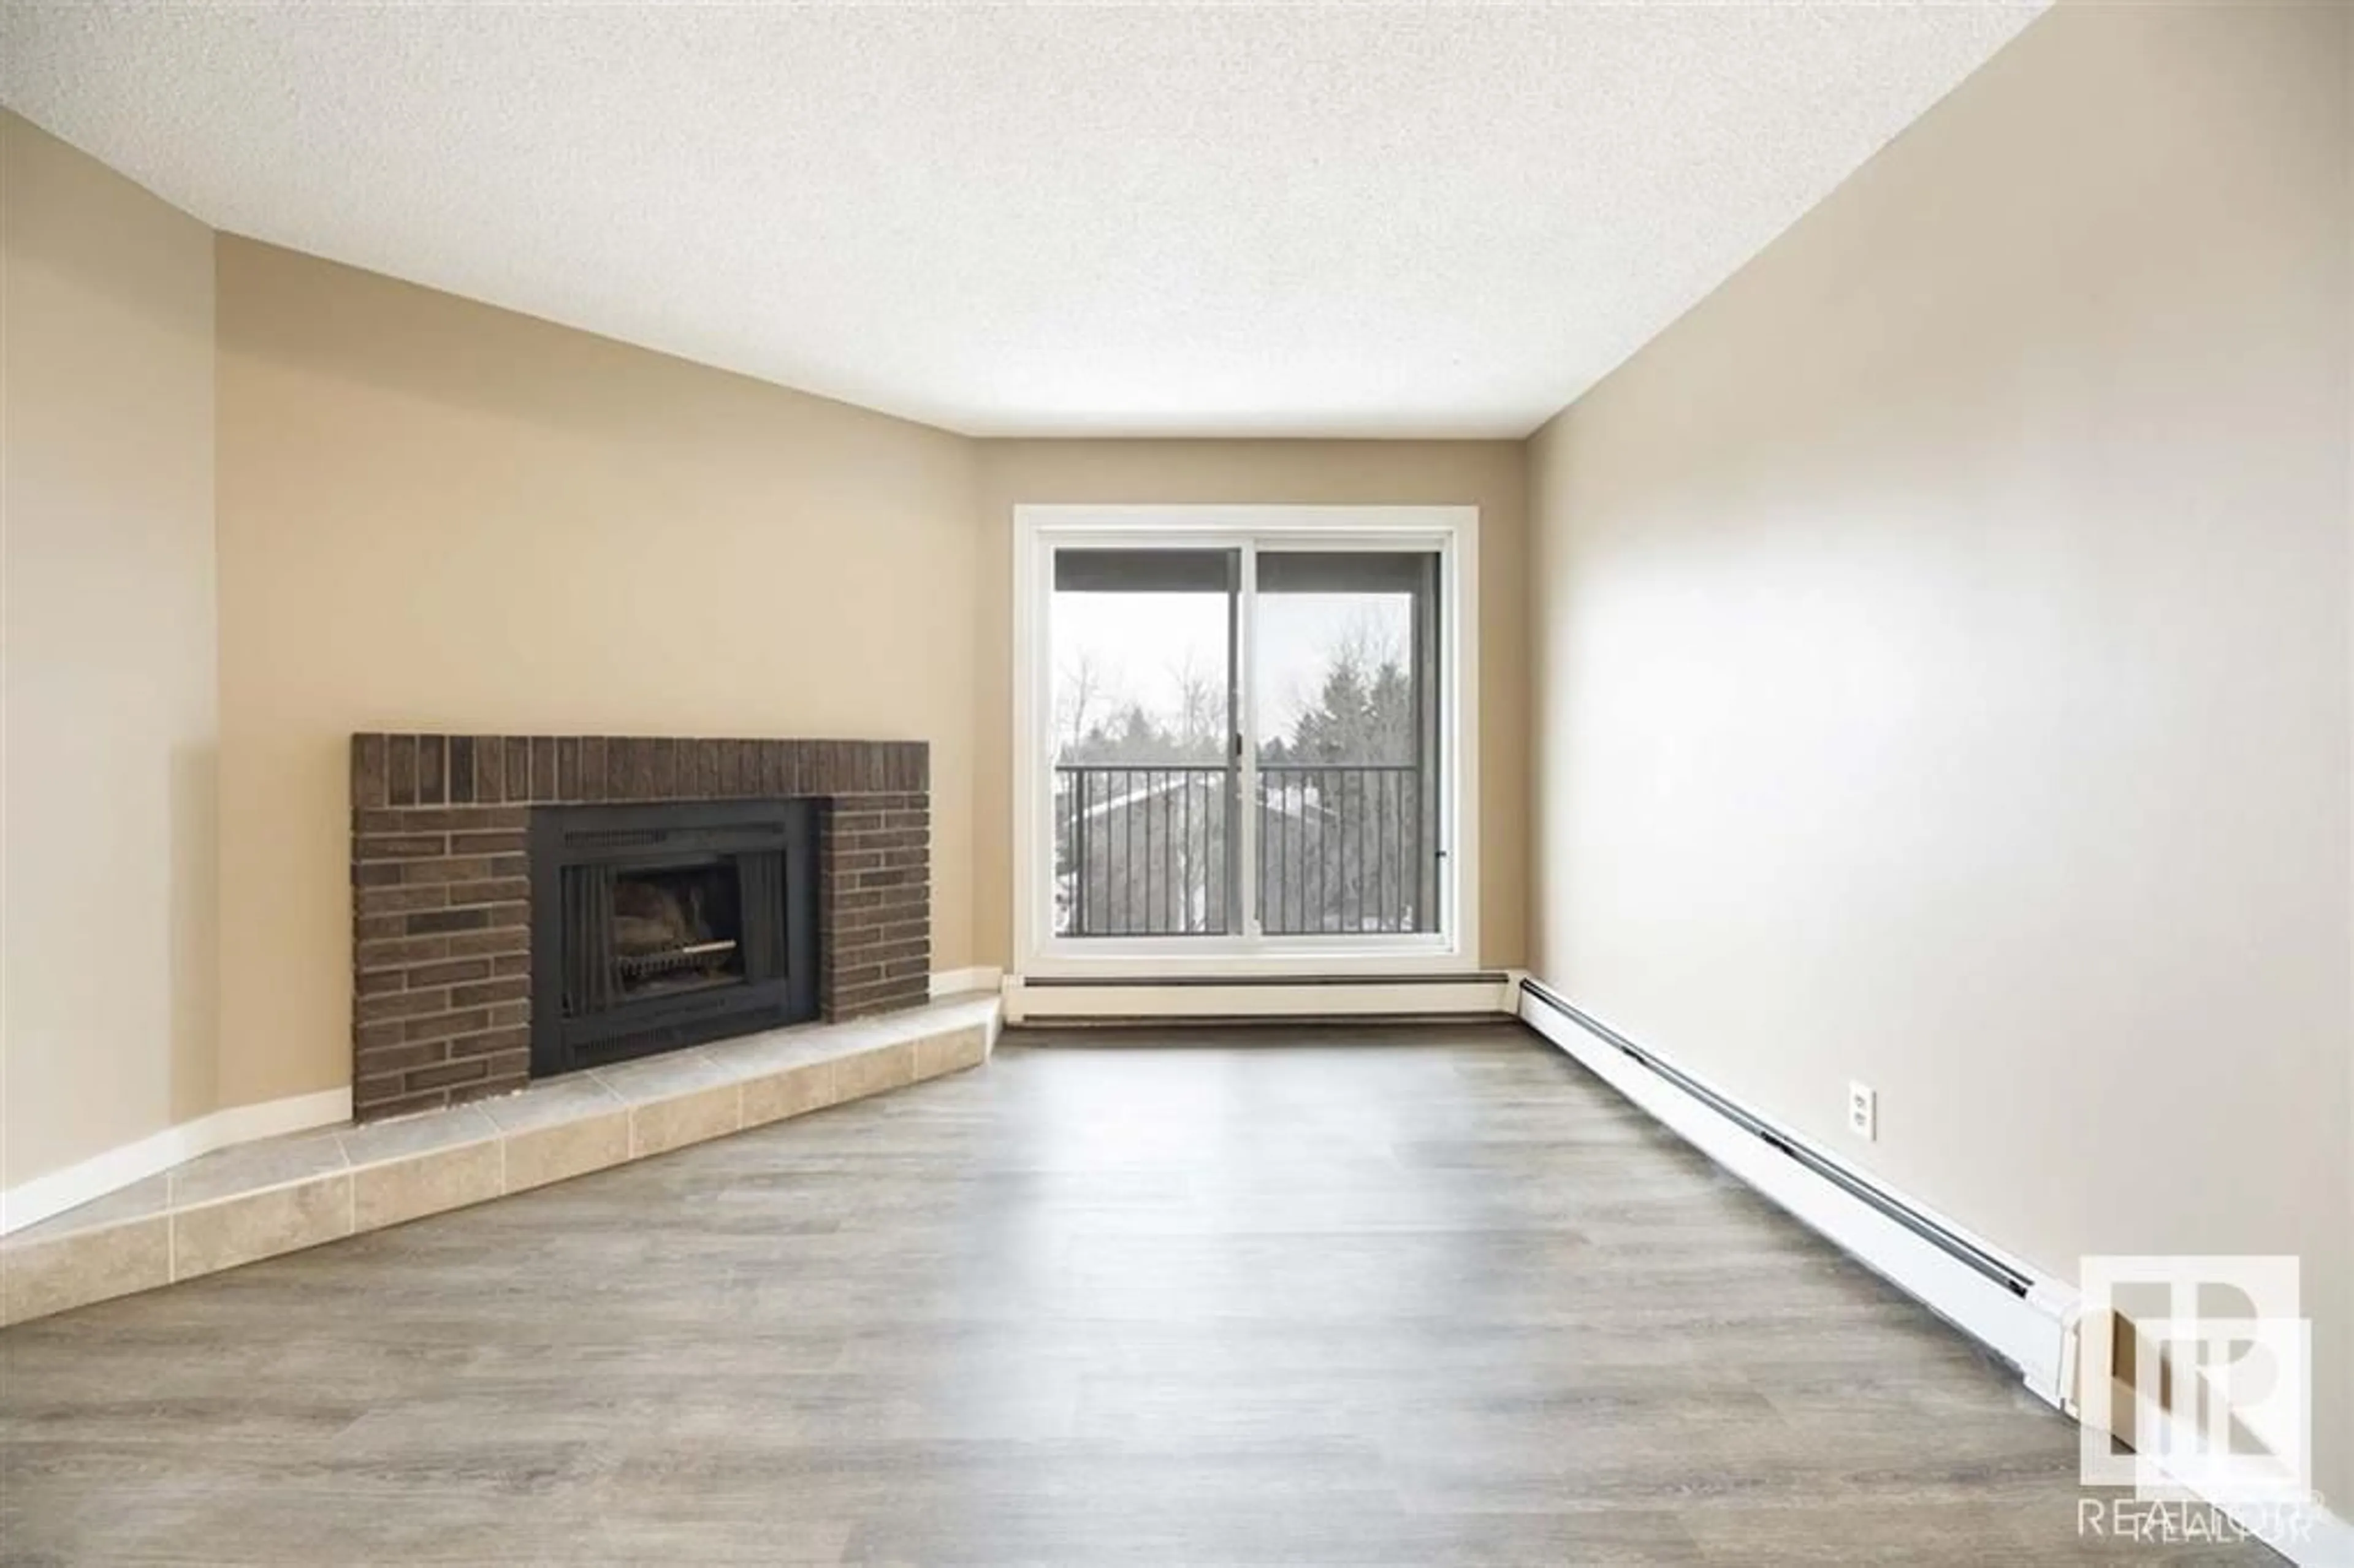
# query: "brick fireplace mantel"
{"points": [[441, 911]]}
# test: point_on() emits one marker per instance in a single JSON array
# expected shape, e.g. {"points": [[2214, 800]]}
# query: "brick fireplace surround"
{"points": [[441, 887]]}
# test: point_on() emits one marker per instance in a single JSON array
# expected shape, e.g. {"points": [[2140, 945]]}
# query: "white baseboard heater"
{"points": [[1256, 999], [2028, 1320]]}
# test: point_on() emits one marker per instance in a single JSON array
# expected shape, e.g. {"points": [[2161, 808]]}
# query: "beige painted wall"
{"points": [[436, 514], [1488, 474], [109, 724], [1941, 663], [439, 515]]}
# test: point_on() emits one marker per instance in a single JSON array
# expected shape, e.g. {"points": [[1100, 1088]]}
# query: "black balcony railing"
{"points": [[1341, 850], [1143, 852], [1149, 850]]}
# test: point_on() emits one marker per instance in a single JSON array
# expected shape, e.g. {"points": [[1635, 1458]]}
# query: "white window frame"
{"points": [[1453, 532]]}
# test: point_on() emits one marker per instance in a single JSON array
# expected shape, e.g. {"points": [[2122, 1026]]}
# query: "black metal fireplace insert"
{"points": [[661, 925]]}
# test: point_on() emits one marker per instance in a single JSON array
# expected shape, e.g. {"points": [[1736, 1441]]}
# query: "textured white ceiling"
{"points": [[1300, 219]]}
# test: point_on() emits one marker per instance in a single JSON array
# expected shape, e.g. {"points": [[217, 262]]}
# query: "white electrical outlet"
{"points": [[1863, 1111]]}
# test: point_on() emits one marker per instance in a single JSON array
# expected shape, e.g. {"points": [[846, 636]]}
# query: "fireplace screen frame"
{"points": [[580, 1017]]}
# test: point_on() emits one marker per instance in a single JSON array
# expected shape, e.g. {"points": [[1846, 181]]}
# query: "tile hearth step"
{"points": [[260, 1199]]}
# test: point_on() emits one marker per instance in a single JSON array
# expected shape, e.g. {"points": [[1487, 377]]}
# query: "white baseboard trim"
{"points": [[2309, 1537], [2322, 1540], [2331, 1544], [958, 982], [1473, 996], [2028, 1322], [30, 1203]]}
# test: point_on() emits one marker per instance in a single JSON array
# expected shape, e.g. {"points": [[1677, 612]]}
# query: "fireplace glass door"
{"points": [[670, 924]]}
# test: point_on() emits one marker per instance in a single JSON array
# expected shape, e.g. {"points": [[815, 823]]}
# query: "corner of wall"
{"points": [[111, 681]]}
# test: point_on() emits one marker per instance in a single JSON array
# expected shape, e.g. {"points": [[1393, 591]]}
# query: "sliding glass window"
{"points": [[1247, 740], [1146, 773], [1345, 730]]}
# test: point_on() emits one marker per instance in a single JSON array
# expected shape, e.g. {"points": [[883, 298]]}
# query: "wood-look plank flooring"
{"points": [[1427, 1296]]}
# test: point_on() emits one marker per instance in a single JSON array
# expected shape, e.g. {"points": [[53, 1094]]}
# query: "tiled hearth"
{"points": [[262, 1198], [444, 984], [443, 899]]}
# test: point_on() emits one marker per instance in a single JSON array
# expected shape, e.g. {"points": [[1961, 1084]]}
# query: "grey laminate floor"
{"points": [[1363, 1297]]}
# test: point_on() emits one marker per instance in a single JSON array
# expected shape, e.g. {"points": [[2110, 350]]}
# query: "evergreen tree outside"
{"points": [[1338, 803]]}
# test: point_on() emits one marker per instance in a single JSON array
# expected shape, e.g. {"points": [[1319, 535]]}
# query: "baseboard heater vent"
{"points": [[1256, 999], [1246, 982], [2027, 1321], [1911, 1219]]}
